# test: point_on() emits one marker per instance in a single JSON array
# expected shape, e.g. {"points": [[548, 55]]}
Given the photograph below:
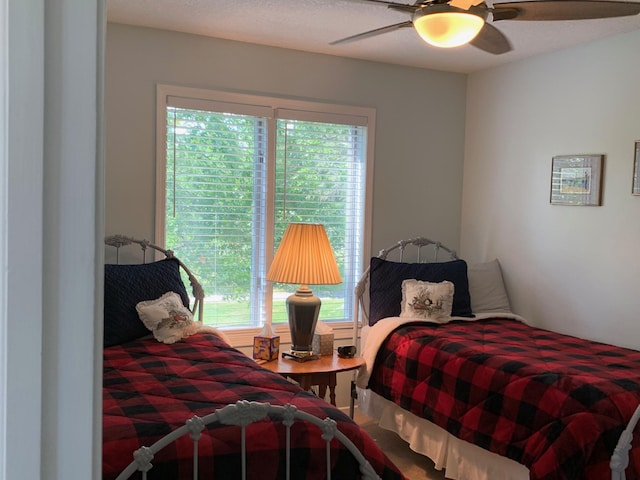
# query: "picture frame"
{"points": [[577, 180], [635, 188]]}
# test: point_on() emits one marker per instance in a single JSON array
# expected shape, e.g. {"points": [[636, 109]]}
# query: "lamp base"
{"points": [[302, 310], [299, 357]]}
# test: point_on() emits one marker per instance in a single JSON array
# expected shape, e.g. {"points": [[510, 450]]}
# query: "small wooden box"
{"points": [[323, 344], [266, 348]]}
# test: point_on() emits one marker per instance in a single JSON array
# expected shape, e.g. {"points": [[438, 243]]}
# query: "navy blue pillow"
{"points": [[127, 285], [385, 287]]}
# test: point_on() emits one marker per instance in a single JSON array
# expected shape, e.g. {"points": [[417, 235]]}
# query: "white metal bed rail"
{"points": [[242, 414], [620, 457]]}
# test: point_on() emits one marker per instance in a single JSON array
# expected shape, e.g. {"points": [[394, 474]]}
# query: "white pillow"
{"points": [[427, 300], [166, 317], [486, 288]]}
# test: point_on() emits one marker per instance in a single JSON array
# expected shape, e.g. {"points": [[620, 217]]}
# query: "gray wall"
{"points": [[571, 269], [419, 134]]}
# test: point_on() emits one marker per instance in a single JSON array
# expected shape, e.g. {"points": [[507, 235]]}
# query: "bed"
{"points": [[162, 367], [476, 388]]}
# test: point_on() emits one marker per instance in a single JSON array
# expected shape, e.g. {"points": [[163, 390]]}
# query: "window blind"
{"points": [[237, 175]]}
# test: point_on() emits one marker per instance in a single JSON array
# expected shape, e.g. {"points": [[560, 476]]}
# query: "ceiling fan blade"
{"points": [[407, 8], [385, 2], [372, 33], [465, 4], [563, 10], [400, 6], [491, 40]]}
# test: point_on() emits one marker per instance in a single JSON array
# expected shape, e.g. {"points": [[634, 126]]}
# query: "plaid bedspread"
{"points": [[151, 388], [554, 403]]}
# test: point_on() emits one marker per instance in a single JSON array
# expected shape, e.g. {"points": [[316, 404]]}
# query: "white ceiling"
{"points": [[310, 25]]}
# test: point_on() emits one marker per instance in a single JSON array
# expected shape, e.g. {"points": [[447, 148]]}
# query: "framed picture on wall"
{"points": [[576, 180], [635, 189]]}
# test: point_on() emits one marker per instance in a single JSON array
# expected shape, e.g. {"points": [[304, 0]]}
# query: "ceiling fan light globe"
{"points": [[449, 28]]}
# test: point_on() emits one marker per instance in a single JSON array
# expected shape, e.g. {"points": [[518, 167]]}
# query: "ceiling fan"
{"points": [[451, 23]]}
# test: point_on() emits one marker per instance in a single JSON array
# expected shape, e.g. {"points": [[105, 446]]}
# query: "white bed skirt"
{"points": [[460, 459]]}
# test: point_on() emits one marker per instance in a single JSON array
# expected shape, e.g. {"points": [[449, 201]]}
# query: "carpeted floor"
{"points": [[412, 465]]}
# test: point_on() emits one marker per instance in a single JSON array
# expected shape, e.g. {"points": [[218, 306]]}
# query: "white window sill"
{"points": [[243, 337]]}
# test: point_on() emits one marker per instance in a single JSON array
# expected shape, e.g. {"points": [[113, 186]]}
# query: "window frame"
{"points": [[243, 337]]}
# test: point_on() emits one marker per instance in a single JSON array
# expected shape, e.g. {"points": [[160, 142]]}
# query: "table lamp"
{"points": [[304, 257]]}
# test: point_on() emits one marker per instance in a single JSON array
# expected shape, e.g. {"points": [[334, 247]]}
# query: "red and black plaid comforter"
{"points": [[555, 403], [151, 388]]}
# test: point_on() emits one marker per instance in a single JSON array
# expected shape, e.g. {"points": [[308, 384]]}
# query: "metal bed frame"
{"points": [[362, 295], [399, 248], [242, 414], [620, 457], [119, 241]]}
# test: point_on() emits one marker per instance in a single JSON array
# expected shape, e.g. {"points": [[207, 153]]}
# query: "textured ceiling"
{"points": [[310, 25]]}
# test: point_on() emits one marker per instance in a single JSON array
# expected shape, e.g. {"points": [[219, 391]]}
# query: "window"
{"points": [[235, 170]]}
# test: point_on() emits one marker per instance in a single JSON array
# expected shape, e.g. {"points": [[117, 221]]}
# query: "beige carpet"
{"points": [[411, 464]]}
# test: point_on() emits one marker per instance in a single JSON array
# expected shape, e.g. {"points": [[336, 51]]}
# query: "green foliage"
{"points": [[234, 314], [216, 195]]}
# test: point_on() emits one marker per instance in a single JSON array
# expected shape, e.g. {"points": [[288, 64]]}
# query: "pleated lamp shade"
{"points": [[304, 257]]}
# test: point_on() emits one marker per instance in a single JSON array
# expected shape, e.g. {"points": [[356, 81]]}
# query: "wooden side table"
{"points": [[321, 372]]}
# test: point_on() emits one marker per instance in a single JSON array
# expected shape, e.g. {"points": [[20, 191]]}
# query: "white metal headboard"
{"points": [[620, 457], [426, 250], [119, 241]]}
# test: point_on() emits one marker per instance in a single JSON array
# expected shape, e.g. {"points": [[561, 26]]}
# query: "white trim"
{"points": [[259, 105], [161, 171], [24, 241], [67, 245], [217, 106], [368, 201], [261, 101], [101, 25], [328, 117], [270, 108], [4, 233]]}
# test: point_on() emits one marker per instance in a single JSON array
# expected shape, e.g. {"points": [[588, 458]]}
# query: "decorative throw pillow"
{"points": [[427, 300], [385, 287], [486, 288], [126, 285], [167, 318]]}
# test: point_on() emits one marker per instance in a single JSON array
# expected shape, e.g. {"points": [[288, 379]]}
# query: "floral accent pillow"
{"points": [[427, 300], [167, 318]]}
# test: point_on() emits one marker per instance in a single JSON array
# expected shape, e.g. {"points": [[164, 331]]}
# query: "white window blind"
{"points": [[236, 174], [320, 179]]}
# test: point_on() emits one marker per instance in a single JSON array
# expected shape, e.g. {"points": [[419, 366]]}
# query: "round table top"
{"points": [[324, 364]]}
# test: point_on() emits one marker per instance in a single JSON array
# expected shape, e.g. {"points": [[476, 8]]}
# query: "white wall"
{"points": [[52, 221], [571, 269], [419, 122], [22, 238], [72, 225]]}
